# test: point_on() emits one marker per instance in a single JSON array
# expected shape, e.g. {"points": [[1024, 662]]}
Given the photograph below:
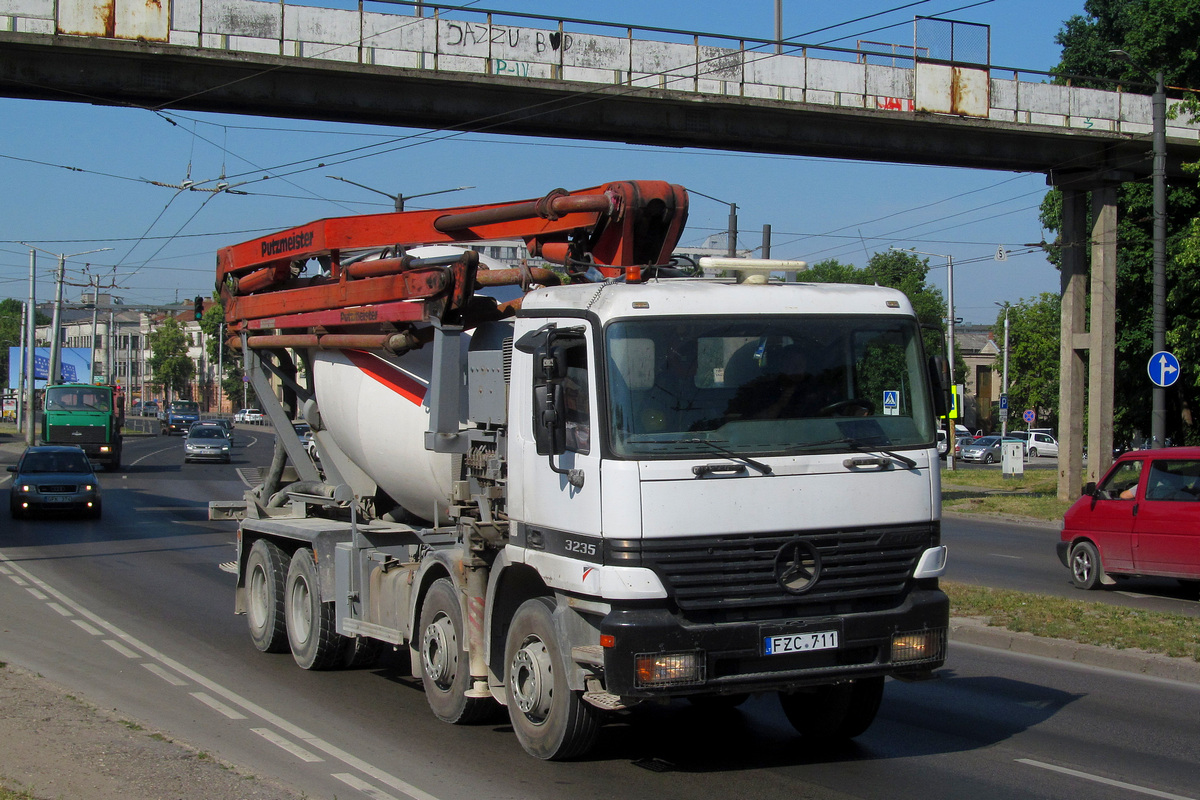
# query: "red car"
{"points": [[1142, 519]]}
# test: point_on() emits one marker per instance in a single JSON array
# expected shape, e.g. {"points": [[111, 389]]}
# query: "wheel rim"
{"points": [[439, 651], [258, 596], [532, 680], [300, 611], [1081, 565]]}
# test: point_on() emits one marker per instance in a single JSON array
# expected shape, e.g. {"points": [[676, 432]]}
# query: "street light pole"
{"points": [[731, 249], [1004, 378], [30, 342]]}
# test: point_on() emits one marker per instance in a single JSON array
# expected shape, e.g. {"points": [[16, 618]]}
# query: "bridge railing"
{"points": [[488, 42]]}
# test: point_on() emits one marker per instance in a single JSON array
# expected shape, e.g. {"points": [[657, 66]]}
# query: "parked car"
{"points": [[986, 449], [962, 441], [304, 431], [54, 478], [207, 443], [249, 415], [1143, 518], [149, 409], [943, 444]]}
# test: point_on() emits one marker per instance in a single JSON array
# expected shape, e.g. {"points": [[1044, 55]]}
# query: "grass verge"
{"points": [[1078, 620], [1033, 495]]}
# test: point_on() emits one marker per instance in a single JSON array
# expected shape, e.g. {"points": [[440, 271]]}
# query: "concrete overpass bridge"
{"points": [[937, 101]]}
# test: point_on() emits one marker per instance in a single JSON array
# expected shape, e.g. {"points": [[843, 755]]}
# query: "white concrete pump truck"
{"points": [[622, 485]]}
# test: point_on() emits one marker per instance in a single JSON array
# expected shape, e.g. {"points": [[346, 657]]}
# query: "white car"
{"points": [[248, 415], [1042, 444]]}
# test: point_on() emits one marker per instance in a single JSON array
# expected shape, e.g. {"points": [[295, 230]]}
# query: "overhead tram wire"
{"points": [[477, 125]]}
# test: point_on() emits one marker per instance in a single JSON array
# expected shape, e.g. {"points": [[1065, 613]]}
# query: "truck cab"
{"points": [[178, 416], [89, 416]]}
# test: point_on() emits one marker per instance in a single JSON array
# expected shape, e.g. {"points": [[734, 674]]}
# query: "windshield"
{"points": [[766, 385], [74, 398], [56, 462], [185, 407]]}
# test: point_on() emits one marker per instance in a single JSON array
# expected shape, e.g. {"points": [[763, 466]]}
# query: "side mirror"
{"points": [[1089, 489], [12, 468], [939, 381], [548, 346]]}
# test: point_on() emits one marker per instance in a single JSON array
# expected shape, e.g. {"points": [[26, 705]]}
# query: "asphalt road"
{"points": [[134, 611]]}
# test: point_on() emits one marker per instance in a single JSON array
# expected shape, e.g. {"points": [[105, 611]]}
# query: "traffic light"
{"points": [[199, 307]]}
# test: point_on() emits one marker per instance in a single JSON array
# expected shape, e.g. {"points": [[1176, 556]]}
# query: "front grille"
{"points": [[58, 488], [865, 567], [78, 434]]}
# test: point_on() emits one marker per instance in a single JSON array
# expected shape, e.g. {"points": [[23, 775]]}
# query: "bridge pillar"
{"points": [[1098, 337]]}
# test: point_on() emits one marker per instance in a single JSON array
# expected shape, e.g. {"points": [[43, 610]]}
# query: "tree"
{"points": [[1033, 356], [169, 361], [1158, 34], [11, 314], [907, 272]]}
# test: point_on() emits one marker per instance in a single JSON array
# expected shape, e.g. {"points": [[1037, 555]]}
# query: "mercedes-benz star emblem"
{"points": [[797, 566]]}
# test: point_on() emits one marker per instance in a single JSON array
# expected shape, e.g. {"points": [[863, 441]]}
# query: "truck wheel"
{"points": [[445, 668], [311, 629], [1086, 569], [266, 575], [552, 722], [834, 712], [359, 652]]}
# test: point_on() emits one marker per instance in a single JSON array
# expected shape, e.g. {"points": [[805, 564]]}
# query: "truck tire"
{"points": [[266, 577], [1086, 570], [835, 712], [311, 629], [551, 721], [445, 668]]}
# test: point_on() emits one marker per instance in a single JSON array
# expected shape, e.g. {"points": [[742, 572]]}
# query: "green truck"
{"points": [[86, 415]]}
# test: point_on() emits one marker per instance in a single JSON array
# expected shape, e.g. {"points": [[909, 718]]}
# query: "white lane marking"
{"points": [[5, 570], [217, 705], [287, 727], [59, 608], [166, 676], [1005, 555], [154, 453], [18, 580], [293, 748], [362, 786], [120, 648], [90, 629], [1106, 781], [36, 594]]}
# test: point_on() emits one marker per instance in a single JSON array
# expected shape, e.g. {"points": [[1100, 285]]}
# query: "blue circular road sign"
{"points": [[1163, 368]]}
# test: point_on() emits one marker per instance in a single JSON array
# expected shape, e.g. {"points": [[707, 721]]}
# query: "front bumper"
{"points": [[731, 656], [207, 455]]}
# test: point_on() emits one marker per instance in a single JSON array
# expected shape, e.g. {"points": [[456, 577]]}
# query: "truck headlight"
{"points": [[669, 669]]}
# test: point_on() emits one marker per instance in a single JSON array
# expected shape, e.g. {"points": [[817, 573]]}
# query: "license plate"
{"points": [[53, 499], [801, 642]]}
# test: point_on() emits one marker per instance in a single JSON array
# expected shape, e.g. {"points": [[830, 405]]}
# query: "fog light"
{"points": [[669, 669], [104, 448], [929, 645]]}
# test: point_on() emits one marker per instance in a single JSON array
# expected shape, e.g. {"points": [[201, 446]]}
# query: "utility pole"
{"points": [[54, 375]]}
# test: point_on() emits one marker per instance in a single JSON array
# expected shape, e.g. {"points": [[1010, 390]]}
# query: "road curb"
{"points": [[970, 630]]}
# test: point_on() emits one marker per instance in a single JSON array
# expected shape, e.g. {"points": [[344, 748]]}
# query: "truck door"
{"points": [[560, 494], [1167, 527]]}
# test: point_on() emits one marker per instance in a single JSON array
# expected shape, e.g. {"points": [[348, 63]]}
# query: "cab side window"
{"points": [[1122, 482], [575, 397]]}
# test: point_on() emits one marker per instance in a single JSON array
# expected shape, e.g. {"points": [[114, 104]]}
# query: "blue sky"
{"points": [[164, 243]]}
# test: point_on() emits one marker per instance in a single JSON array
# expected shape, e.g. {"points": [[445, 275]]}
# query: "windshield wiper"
{"points": [[765, 469], [862, 447]]}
